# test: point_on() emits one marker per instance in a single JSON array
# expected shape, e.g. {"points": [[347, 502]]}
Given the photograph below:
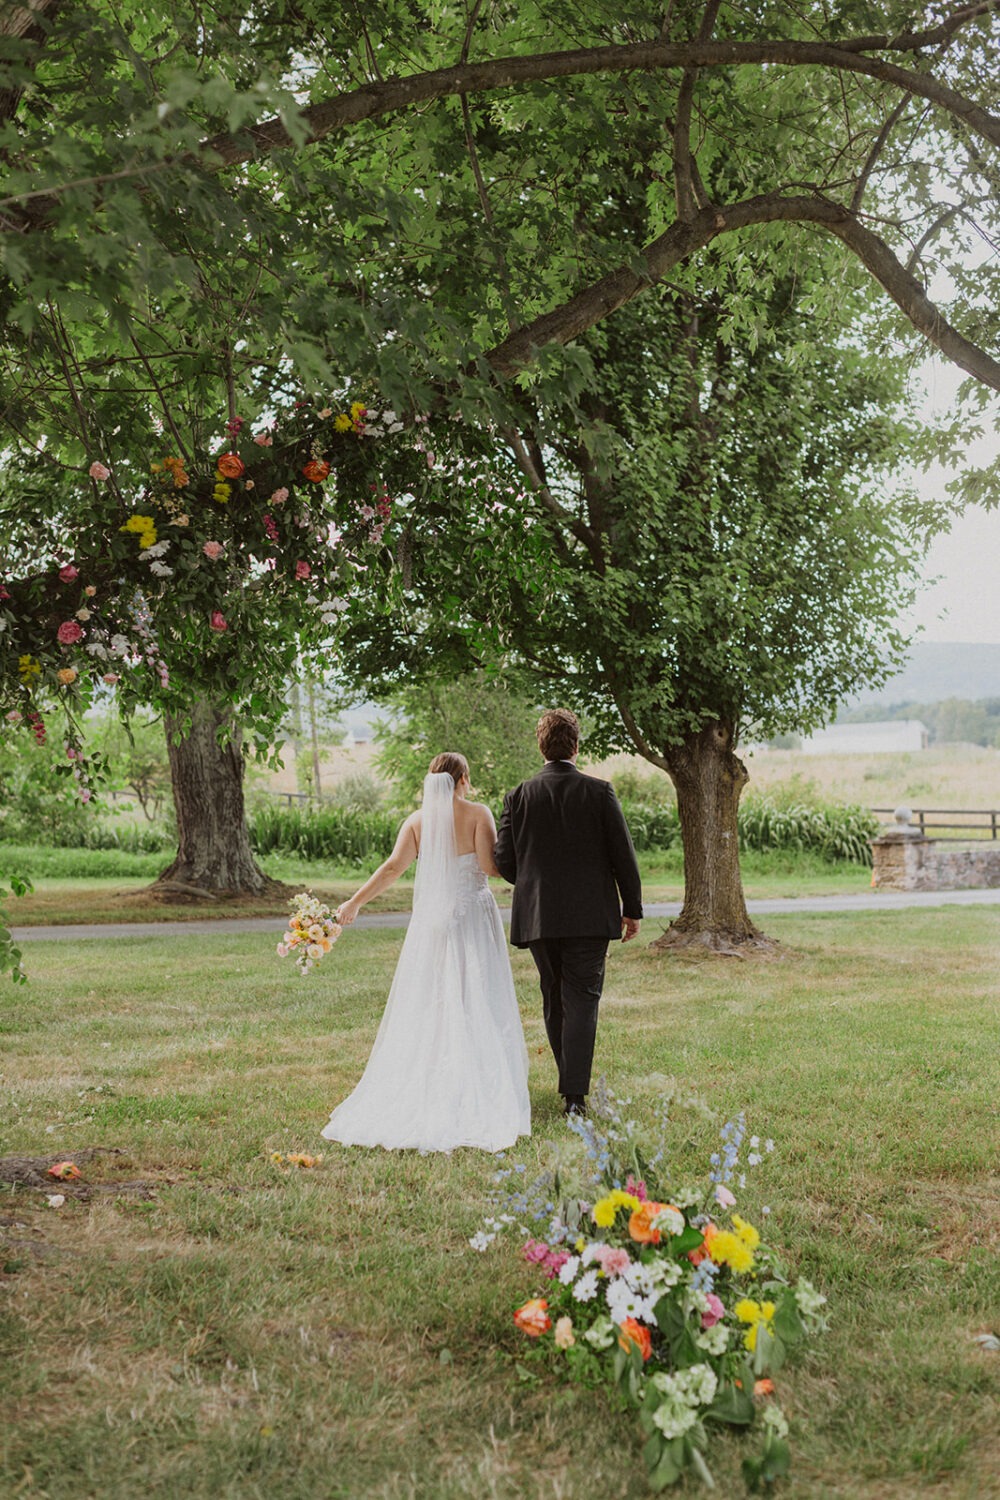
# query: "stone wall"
{"points": [[907, 862]]}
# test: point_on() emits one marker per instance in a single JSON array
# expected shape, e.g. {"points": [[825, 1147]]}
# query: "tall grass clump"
{"points": [[832, 831], [352, 835]]}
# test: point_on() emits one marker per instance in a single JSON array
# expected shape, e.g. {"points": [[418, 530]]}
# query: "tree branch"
{"points": [[684, 185], [682, 239]]}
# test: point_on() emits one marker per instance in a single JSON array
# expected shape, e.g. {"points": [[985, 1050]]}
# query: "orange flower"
{"points": [[704, 1249], [316, 469], [640, 1223], [532, 1318], [763, 1387], [635, 1335], [63, 1171], [230, 465]]}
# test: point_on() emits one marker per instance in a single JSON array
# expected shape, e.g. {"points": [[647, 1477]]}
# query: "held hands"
{"points": [[346, 913], [630, 928]]}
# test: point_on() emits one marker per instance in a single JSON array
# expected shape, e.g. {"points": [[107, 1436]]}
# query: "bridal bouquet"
{"points": [[312, 931], [652, 1281]]}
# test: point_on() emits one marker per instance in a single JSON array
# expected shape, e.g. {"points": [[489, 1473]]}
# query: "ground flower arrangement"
{"points": [[655, 1283]]}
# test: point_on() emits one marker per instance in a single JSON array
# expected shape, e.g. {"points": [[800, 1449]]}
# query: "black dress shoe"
{"points": [[576, 1104]]}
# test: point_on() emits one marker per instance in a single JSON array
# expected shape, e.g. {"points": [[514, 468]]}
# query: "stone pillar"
{"points": [[902, 857]]}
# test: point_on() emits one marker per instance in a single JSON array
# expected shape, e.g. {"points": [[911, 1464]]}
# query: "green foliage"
{"points": [[338, 833], [834, 832], [490, 723], [10, 953]]}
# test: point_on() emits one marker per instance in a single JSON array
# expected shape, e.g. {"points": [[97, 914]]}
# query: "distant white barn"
{"points": [[868, 739]]}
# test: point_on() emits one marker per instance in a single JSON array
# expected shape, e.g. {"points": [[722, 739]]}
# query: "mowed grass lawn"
{"points": [[306, 1335]]}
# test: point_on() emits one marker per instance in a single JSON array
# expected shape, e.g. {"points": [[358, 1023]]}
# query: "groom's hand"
{"points": [[630, 928]]}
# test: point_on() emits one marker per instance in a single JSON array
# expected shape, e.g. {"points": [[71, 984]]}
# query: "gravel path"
{"points": [[866, 901]]}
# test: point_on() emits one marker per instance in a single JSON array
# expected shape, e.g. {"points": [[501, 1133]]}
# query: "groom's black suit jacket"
{"points": [[564, 845]]}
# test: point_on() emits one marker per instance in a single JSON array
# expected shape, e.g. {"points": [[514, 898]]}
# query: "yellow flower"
{"points": [[144, 528], [753, 1313], [726, 1248], [746, 1232], [624, 1200], [342, 422], [603, 1213], [27, 668], [222, 492], [357, 410]]}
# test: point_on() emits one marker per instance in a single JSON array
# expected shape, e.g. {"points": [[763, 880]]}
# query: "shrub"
{"points": [[833, 831], [338, 833]]}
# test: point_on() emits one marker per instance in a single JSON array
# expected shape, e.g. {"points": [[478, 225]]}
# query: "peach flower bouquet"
{"points": [[311, 933]]}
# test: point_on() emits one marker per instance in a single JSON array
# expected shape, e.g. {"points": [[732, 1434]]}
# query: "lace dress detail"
{"points": [[449, 1066]]}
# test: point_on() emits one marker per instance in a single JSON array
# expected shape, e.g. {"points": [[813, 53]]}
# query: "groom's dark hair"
{"points": [[558, 734]]}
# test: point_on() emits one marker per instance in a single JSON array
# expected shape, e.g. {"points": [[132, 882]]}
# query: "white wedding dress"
{"points": [[449, 1066]]}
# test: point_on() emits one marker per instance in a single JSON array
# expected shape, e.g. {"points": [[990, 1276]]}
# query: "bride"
{"points": [[449, 1065]]}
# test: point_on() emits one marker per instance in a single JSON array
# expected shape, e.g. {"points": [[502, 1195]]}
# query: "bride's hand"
{"points": [[346, 913]]}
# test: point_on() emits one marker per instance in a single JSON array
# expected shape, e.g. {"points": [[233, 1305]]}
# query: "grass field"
{"points": [[253, 1335], [60, 898]]}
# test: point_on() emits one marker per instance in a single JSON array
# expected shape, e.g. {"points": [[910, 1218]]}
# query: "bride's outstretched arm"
{"points": [[401, 858]]}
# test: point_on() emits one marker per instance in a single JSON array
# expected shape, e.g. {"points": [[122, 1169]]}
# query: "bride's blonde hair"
{"points": [[449, 760]]}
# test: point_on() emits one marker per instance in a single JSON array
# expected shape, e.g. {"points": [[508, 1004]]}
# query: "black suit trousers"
{"points": [[571, 970]]}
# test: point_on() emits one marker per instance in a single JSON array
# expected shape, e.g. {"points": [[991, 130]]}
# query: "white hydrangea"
{"points": [[714, 1340], [602, 1334], [773, 1417], [663, 1274], [693, 1387], [809, 1302], [673, 1418], [687, 1197], [481, 1240], [669, 1220]]}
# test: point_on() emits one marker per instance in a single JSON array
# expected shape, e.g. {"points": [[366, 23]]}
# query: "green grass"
{"points": [[81, 885], [255, 1335]]}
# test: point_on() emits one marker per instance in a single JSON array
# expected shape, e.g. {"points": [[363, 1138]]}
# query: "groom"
{"points": [[564, 846]]}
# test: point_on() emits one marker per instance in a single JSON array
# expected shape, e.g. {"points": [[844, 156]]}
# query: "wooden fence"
{"points": [[961, 823]]}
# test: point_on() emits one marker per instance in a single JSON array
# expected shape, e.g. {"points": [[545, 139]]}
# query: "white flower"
{"points": [[568, 1269], [96, 649], [56, 1200], [119, 645], [775, 1418], [687, 1197], [714, 1340], [624, 1303], [158, 549], [161, 570], [481, 1240], [602, 1334], [669, 1220], [3, 622], [585, 1289], [672, 1418]]}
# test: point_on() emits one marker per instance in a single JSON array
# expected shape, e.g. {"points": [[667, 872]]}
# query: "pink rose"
{"points": [[217, 621], [14, 717], [98, 471], [214, 550], [90, 591], [69, 633], [3, 592], [264, 440], [85, 794], [724, 1197], [279, 497], [110, 678], [302, 570], [68, 573], [714, 1312]]}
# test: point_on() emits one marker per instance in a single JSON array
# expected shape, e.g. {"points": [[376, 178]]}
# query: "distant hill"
{"points": [[941, 669]]}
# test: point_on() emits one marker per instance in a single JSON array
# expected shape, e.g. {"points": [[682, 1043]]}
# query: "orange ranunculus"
{"points": [[230, 465], [316, 469], [640, 1223], [634, 1335], [703, 1250], [63, 1171], [763, 1387], [532, 1318]]}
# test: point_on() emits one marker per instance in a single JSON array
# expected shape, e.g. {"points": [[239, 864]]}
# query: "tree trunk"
{"points": [[214, 857], [709, 778]]}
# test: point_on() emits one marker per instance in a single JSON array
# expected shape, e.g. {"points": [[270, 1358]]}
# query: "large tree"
{"points": [[717, 546]]}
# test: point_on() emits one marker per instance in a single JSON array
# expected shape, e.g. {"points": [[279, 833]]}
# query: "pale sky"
{"points": [[965, 604]]}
